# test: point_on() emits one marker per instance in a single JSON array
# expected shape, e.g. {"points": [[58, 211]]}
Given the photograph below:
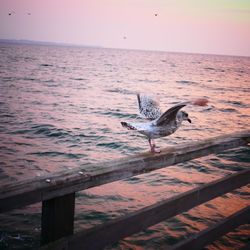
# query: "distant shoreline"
{"points": [[31, 42], [45, 43]]}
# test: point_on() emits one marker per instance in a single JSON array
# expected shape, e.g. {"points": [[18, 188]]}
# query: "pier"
{"points": [[57, 192]]}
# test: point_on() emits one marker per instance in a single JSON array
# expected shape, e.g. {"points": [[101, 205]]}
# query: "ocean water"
{"points": [[61, 107]]}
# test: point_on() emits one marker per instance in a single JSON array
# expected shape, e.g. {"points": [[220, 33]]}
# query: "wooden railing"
{"points": [[57, 194]]}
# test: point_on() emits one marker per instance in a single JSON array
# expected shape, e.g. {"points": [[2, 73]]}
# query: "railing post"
{"points": [[57, 218]]}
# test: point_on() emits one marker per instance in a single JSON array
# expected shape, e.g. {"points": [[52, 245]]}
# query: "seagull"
{"points": [[159, 124]]}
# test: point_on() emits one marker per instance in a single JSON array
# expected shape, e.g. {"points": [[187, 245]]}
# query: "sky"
{"points": [[195, 26]]}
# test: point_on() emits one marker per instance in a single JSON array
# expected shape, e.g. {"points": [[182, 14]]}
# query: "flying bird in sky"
{"points": [[11, 13]]}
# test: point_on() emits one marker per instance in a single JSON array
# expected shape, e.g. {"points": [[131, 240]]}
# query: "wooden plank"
{"points": [[27, 192], [205, 237], [111, 232], [57, 218]]}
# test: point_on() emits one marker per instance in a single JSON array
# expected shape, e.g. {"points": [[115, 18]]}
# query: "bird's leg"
{"points": [[149, 141], [156, 150], [153, 147]]}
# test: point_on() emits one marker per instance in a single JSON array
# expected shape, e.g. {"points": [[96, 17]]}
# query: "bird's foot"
{"points": [[155, 150], [153, 147]]}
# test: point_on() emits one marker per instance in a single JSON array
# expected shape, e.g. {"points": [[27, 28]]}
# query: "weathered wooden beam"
{"points": [[205, 237], [57, 218], [108, 233], [27, 192]]}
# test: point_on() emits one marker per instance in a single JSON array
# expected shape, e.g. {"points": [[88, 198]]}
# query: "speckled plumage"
{"points": [[160, 124], [148, 107], [163, 126]]}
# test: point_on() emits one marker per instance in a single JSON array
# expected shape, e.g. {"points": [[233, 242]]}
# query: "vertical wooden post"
{"points": [[57, 218]]}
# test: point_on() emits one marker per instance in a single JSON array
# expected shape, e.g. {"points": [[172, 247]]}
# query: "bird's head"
{"points": [[184, 116]]}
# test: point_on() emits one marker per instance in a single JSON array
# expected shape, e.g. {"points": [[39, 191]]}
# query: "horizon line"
{"points": [[67, 44]]}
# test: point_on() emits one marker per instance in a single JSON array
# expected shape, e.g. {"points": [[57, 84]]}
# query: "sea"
{"points": [[61, 107]]}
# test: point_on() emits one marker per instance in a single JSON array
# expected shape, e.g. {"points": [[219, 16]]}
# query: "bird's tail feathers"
{"points": [[128, 126]]}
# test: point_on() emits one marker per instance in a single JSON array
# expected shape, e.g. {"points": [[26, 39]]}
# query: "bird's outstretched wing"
{"points": [[148, 107], [170, 115]]}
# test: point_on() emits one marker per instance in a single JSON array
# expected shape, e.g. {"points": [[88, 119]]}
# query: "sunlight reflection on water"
{"points": [[61, 108]]}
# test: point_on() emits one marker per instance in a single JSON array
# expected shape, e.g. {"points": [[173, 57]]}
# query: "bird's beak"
{"points": [[189, 120]]}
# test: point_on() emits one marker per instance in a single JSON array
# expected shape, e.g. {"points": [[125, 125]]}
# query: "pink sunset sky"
{"points": [[209, 26]]}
